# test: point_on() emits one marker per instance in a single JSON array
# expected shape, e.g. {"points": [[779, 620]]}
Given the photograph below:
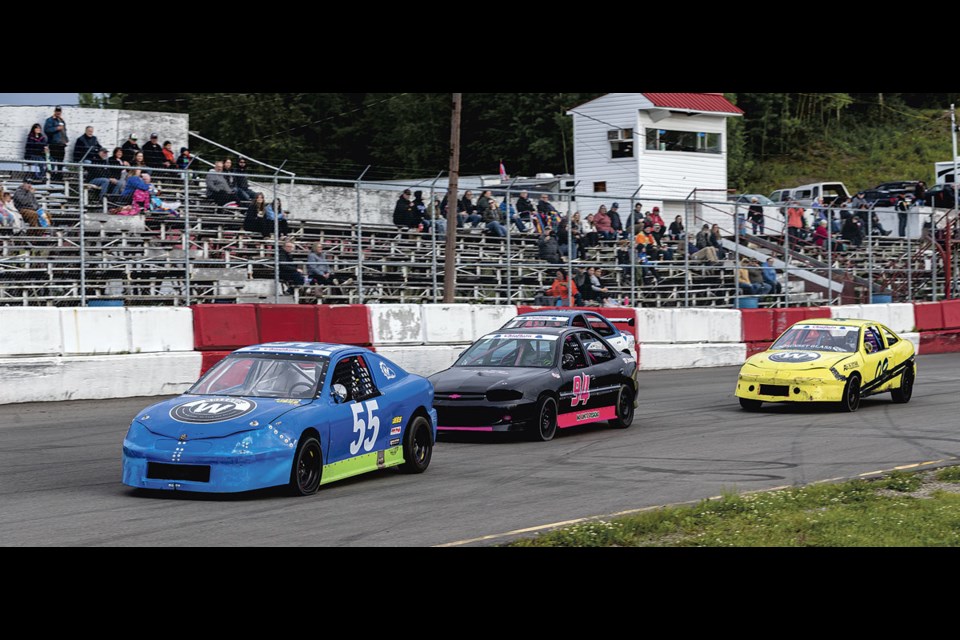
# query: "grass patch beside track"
{"points": [[900, 510]]}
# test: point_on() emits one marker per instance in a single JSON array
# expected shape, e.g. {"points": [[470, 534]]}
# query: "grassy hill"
{"points": [[859, 153]]}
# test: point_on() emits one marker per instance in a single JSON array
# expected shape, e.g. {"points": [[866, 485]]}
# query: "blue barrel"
{"points": [[105, 303], [749, 302], [882, 298]]}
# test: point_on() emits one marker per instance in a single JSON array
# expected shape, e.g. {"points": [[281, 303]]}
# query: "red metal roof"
{"points": [[706, 102]]}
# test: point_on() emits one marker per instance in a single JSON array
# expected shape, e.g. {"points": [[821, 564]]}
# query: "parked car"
{"points": [[940, 195], [880, 198], [831, 192], [906, 187], [780, 195], [747, 198]]}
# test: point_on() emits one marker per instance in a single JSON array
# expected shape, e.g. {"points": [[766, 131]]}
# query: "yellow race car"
{"points": [[829, 360]]}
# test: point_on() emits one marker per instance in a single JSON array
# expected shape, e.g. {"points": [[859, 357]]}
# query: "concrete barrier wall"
{"points": [[28, 331], [423, 360], [488, 317], [160, 329], [447, 323], [97, 377], [393, 324], [94, 331], [690, 356]]}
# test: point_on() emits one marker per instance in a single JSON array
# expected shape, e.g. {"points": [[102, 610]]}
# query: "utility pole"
{"points": [[449, 262]]}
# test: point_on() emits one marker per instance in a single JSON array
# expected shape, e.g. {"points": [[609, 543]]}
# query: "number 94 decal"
{"points": [[361, 427]]}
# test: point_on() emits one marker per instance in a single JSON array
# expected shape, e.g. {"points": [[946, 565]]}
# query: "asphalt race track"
{"points": [[60, 470]]}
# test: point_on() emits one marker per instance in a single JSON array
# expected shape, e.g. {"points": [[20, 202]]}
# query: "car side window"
{"points": [[597, 351], [601, 326], [889, 337], [573, 348], [871, 340], [578, 321], [354, 374]]}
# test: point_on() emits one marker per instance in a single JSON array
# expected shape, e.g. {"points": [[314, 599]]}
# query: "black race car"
{"points": [[536, 380]]}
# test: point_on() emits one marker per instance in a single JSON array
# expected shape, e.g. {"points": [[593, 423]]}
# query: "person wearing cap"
{"points": [[130, 148], [153, 152], [240, 181], [169, 160], [55, 129], [99, 173], [858, 200], [403, 214], [615, 222], [654, 218], [86, 146], [755, 215], [525, 208], [184, 159]]}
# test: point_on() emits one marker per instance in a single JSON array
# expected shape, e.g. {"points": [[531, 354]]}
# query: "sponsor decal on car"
{"points": [[795, 356], [395, 442], [520, 336], [288, 401], [587, 415], [208, 410], [397, 420], [852, 365], [388, 373], [629, 360], [555, 375], [395, 431]]}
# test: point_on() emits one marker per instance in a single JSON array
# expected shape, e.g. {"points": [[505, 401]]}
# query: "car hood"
{"points": [[198, 417], [799, 360], [483, 379]]}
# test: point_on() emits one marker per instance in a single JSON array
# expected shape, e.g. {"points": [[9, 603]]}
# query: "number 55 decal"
{"points": [[360, 427]]}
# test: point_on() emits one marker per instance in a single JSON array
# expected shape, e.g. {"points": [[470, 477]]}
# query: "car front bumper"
{"points": [[774, 387]]}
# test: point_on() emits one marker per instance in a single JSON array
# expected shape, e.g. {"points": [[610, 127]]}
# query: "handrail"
{"points": [[241, 155]]}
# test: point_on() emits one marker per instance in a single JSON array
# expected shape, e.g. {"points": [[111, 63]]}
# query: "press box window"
{"points": [[599, 187], [621, 143], [688, 141]]}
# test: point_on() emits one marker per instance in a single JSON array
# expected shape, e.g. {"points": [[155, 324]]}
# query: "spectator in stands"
{"points": [[852, 232], [511, 216], [770, 277], [703, 237], [591, 237], [624, 260], [25, 201], [256, 219], [403, 215], [491, 216], [901, 208], [118, 171], [55, 128], [858, 200], [525, 208], [795, 221], [290, 274], [228, 173], [716, 241], [754, 272], [566, 240], [160, 206], [655, 219], [648, 271], [548, 248], [169, 159], [153, 152], [240, 181], [743, 279], [562, 289], [876, 228], [274, 211], [36, 150], [821, 234], [137, 192], [184, 160], [755, 215], [615, 222], [139, 161], [10, 218], [635, 218], [318, 267], [218, 189], [467, 211], [656, 248], [598, 292], [484, 202], [919, 194], [549, 216], [86, 146], [602, 222], [420, 218], [643, 237], [676, 228], [437, 215], [130, 148], [658, 233], [98, 174], [705, 253]]}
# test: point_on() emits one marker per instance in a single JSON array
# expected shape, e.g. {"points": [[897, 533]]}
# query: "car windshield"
{"points": [[264, 376], [820, 337], [511, 350], [533, 322]]}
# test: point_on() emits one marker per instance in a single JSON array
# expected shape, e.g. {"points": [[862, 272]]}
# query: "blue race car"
{"points": [[284, 413]]}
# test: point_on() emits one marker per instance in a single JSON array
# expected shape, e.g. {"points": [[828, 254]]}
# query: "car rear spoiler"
{"points": [[630, 321]]}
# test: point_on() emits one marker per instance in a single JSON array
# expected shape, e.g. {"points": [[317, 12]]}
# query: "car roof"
{"points": [[299, 348], [858, 322], [535, 331], [560, 313]]}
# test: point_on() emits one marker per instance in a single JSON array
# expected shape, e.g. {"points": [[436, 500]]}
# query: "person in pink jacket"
{"points": [[602, 222]]}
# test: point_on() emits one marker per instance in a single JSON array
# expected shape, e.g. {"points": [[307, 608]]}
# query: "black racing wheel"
{"points": [[851, 394], [307, 467], [903, 393], [624, 408], [417, 446]]}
